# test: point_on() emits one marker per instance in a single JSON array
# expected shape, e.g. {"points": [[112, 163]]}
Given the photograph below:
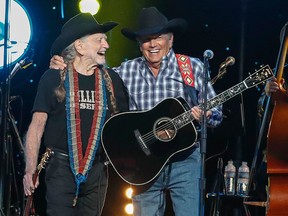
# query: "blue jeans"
{"points": [[181, 178]]}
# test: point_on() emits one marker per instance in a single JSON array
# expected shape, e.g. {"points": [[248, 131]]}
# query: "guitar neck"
{"points": [[254, 79], [226, 95], [186, 117], [29, 209]]}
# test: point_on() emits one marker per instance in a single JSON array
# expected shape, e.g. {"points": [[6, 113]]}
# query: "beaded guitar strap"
{"points": [[109, 86], [185, 69]]}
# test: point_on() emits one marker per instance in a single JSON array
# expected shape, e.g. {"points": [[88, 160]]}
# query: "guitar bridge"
{"points": [[141, 143]]}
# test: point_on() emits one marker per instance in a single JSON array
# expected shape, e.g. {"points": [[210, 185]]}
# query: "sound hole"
{"points": [[164, 129]]}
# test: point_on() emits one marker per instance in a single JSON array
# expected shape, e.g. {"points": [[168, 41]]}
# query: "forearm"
{"points": [[33, 140]]}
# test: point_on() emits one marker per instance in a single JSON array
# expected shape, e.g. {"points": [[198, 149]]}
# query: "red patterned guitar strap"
{"points": [[185, 69]]}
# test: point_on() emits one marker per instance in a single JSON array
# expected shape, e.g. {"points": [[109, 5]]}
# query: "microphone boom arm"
{"points": [[222, 68], [220, 74]]}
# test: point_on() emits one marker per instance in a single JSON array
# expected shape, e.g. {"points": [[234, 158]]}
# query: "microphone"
{"points": [[228, 62], [17, 67], [208, 54]]}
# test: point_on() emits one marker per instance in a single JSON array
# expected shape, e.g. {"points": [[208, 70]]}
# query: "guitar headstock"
{"points": [[260, 76], [45, 157]]}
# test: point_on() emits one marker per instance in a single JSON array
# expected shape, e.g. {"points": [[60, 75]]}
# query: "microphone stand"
{"points": [[6, 148], [215, 195], [203, 145]]}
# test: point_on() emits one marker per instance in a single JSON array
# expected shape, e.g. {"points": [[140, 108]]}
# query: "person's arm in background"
{"points": [[271, 86]]}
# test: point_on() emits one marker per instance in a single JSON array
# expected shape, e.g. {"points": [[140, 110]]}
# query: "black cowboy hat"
{"points": [[78, 26], [151, 21]]}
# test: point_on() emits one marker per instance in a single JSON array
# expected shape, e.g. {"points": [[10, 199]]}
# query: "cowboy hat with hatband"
{"points": [[77, 27], [151, 22]]}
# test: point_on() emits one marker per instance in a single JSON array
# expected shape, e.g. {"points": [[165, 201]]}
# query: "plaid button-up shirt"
{"points": [[145, 90]]}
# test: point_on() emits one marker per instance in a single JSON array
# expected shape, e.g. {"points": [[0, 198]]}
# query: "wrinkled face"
{"points": [[155, 47], [93, 48]]}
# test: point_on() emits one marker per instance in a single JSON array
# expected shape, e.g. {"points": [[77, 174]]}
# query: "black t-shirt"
{"points": [[55, 134]]}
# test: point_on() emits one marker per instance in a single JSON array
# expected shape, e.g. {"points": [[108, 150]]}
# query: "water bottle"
{"points": [[229, 178], [243, 179]]}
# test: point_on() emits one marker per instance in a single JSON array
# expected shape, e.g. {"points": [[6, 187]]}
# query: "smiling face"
{"points": [[155, 47], [93, 48]]}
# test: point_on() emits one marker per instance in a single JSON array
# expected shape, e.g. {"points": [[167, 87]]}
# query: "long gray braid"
{"points": [[68, 54]]}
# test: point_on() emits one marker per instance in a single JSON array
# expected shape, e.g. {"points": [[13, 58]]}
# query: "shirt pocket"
{"points": [[140, 90], [173, 91]]}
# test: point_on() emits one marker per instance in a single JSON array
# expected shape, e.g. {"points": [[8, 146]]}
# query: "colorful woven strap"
{"points": [[185, 69], [81, 165]]}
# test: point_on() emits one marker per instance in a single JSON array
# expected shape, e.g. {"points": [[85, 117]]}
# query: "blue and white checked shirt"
{"points": [[145, 90]]}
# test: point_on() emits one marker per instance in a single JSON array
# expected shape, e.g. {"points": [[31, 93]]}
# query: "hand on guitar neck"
{"points": [[30, 182], [197, 113]]}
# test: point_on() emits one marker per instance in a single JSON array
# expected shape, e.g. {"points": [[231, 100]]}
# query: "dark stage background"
{"points": [[245, 29]]}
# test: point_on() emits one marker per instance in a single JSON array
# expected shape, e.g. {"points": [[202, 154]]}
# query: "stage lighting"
{"points": [[89, 6], [129, 206], [20, 32], [129, 209], [129, 192]]}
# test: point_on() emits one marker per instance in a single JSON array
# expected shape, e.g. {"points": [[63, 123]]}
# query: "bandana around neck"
{"points": [[80, 164]]}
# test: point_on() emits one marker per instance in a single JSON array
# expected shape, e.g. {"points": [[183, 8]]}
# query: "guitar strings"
{"points": [[150, 136]]}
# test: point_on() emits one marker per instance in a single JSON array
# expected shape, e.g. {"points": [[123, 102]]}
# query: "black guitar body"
{"points": [[139, 144]]}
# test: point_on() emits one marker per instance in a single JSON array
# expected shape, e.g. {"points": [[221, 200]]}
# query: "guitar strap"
{"points": [[110, 87], [187, 74], [185, 69]]}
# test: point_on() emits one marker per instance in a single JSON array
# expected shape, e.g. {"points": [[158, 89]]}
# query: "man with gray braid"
{"points": [[70, 109]]}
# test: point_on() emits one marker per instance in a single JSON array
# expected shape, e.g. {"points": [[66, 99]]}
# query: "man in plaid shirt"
{"points": [[150, 79]]}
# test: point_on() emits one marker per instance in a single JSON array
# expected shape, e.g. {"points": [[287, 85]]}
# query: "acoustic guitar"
{"points": [[138, 144]]}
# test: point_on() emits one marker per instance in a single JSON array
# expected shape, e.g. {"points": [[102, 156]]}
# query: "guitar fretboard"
{"points": [[186, 117], [258, 77], [226, 95]]}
